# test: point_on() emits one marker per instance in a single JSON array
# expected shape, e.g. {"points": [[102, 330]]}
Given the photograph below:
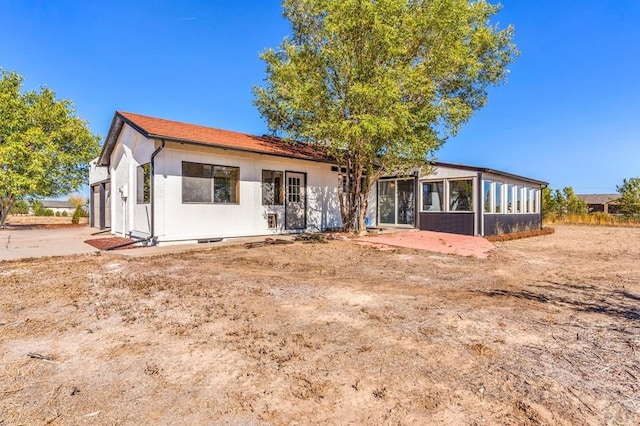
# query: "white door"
{"points": [[296, 201]]}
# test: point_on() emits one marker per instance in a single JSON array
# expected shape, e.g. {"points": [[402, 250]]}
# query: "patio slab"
{"points": [[439, 242]]}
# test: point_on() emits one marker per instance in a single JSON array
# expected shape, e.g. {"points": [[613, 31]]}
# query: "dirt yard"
{"points": [[544, 331]]}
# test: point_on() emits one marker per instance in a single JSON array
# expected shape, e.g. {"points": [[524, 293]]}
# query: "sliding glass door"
{"points": [[396, 202]]}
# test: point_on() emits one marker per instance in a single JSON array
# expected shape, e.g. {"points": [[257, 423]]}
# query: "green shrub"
{"points": [[57, 214], [20, 207], [77, 214], [47, 212], [64, 213], [37, 207]]}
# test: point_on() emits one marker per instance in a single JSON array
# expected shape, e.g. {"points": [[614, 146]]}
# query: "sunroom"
{"points": [[460, 199]]}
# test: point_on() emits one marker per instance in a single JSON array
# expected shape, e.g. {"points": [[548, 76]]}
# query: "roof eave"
{"points": [[232, 148], [488, 170]]}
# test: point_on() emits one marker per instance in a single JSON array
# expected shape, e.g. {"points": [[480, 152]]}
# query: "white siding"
{"points": [[179, 222]]}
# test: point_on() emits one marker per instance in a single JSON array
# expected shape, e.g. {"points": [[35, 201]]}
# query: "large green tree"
{"points": [[379, 85], [44, 147], [629, 200], [562, 202]]}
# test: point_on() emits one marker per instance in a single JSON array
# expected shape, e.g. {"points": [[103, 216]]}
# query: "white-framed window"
{"points": [[487, 196], [143, 183], [498, 197], [509, 199], [534, 201], [209, 183], [433, 196], [272, 192], [526, 202], [460, 195], [518, 199], [447, 195]]}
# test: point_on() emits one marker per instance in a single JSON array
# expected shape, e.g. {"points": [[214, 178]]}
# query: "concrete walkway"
{"points": [[26, 243], [439, 242]]}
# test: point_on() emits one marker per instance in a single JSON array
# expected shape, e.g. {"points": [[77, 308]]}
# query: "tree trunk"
{"points": [[5, 207]]}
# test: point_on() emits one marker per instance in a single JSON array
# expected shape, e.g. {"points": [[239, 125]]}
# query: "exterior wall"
{"points": [[176, 221], [495, 224], [509, 219], [97, 173], [129, 152], [455, 222], [179, 221]]}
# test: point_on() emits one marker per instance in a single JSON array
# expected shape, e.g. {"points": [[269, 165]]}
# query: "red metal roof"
{"points": [[160, 128]]}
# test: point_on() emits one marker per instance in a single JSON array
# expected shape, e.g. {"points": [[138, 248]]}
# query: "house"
{"points": [[169, 182], [59, 206], [601, 203]]}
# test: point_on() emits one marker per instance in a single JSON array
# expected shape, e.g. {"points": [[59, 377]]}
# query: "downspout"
{"points": [[152, 190], [480, 206]]}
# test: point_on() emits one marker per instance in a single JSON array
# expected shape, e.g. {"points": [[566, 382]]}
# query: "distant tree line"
{"points": [[561, 203]]}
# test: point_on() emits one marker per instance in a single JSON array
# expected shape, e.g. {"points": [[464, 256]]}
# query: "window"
{"points": [[272, 188], [143, 183], [293, 190], [526, 202], [433, 196], [487, 196], [534, 201], [206, 183], [498, 198], [518, 199], [461, 195], [509, 198]]}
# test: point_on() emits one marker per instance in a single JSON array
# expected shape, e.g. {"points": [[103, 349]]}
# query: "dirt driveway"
{"points": [[544, 331]]}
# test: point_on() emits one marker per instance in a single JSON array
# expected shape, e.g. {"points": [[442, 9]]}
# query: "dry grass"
{"points": [[544, 331], [597, 219]]}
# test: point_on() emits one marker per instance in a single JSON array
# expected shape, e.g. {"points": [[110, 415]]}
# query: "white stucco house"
{"points": [[167, 182]]}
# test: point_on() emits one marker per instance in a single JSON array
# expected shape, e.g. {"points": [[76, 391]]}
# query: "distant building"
{"points": [[601, 203], [59, 206]]}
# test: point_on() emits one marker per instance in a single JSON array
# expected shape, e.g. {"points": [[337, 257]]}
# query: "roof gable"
{"points": [[158, 128]]}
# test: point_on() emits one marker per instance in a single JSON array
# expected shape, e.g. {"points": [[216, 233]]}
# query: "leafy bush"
{"points": [[64, 213], [47, 212], [20, 207], [57, 214]]}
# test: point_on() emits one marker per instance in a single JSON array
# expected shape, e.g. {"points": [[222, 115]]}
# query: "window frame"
{"points": [[498, 197], [143, 183], [280, 192], [234, 190], [443, 196], [487, 196], [449, 192]]}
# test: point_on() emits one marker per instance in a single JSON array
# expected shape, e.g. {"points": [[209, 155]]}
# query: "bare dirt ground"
{"points": [[544, 331]]}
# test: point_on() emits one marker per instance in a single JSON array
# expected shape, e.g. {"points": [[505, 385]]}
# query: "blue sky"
{"points": [[569, 113]]}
